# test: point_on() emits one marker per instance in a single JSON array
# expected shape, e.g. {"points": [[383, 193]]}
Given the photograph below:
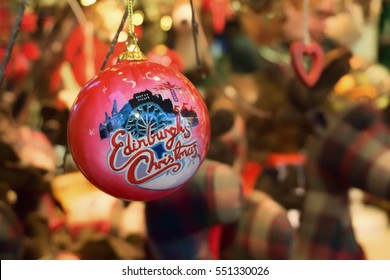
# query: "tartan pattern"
{"points": [[353, 152], [326, 231], [11, 234], [178, 225], [262, 231]]}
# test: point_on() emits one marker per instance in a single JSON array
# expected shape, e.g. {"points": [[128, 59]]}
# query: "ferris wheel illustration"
{"points": [[147, 116]]}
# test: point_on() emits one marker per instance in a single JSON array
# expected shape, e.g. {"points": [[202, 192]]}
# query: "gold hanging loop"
{"points": [[133, 52]]}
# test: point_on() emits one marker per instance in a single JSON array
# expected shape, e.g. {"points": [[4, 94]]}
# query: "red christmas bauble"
{"points": [[139, 130]]}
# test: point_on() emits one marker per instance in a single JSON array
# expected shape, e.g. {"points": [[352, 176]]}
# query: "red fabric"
{"points": [[29, 22], [285, 159], [5, 22], [75, 54], [31, 50], [251, 172], [215, 241], [18, 64]]}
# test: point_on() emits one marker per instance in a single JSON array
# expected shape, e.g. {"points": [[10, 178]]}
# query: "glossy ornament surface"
{"points": [[139, 130]]}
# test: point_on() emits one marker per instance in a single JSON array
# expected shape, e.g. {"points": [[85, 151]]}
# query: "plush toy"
{"points": [[347, 148], [359, 141], [179, 225], [262, 231]]}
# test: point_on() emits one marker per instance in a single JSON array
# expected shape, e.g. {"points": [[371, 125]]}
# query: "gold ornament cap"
{"points": [[133, 52]]}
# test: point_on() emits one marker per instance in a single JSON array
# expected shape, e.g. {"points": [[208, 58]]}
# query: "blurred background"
{"points": [[263, 121]]}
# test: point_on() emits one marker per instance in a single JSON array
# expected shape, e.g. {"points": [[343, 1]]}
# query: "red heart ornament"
{"points": [[298, 50]]}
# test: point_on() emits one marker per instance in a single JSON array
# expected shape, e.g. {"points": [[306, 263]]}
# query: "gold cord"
{"points": [[133, 51]]}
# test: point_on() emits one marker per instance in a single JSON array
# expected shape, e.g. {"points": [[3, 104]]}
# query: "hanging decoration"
{"points": [[307, 52], [221, 11], [138, 130]]}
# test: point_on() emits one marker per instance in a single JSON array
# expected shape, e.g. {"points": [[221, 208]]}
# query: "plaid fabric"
{"points": [[353, 152], [360, 152], [326, 231], [11, 234], [178, 225], [262, 231]]}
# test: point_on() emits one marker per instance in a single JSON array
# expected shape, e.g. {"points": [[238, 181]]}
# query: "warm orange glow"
{"points": [[87, 2]]}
